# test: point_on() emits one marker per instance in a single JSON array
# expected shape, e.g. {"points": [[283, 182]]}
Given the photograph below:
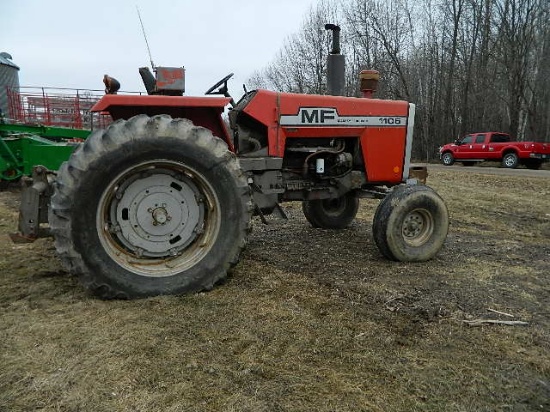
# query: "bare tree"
{"points": [[381, 34], [469, 65], [300, 66], [516, 46]]}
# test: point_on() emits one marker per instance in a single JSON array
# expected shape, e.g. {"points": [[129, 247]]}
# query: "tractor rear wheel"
{"points": [[411, 224], [331, 213], [150, 206]]}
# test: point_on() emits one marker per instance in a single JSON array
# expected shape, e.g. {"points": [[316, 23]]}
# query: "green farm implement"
{"points": [[22, 147], [43, 127]]}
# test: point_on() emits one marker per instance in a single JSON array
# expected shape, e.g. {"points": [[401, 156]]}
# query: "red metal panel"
{"points": [[157, 100], [264, 107], [347, 106], [202, 111], [384, 153]]}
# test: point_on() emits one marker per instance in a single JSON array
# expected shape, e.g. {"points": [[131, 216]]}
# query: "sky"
{"points": [[62, 43]]}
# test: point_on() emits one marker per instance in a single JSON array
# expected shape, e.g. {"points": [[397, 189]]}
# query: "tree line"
{"points": [[468, 65]]}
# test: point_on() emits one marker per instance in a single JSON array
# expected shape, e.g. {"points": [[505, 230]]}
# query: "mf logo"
{"points": [[329, 117], [317, 115]]}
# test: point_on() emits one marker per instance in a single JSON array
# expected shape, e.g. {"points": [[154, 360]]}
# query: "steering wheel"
{"points": [[218, 84]]}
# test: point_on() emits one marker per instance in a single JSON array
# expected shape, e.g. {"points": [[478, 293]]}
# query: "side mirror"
{"points": [[458, 142]]}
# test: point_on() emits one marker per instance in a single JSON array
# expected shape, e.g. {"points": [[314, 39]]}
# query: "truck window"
{"points": [[500, 138], [480, 138], [468, 139]]}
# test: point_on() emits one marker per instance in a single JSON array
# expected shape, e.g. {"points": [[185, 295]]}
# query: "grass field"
{"points": [[310, 320]]}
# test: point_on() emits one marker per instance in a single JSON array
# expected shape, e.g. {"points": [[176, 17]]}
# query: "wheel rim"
{"points": [[447, 159], [158, 218], [509, 160], [418, 227]]}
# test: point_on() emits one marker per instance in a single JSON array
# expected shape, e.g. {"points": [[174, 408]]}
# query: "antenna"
{"points": [[145, 37]]}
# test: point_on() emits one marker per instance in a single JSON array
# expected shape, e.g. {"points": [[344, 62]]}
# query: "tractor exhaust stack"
{"points": [[336, 64]]}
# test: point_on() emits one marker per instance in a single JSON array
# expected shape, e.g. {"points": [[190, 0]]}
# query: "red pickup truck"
{"points": [[495, 146]]}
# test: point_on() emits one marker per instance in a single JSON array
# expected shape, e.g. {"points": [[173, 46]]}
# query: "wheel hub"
{"points": [[157, 215], [413, 225], [509, 161], [417, 227], [160, 216]]}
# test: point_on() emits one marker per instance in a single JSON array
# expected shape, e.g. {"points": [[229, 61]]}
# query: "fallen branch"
{"points": [[500, 313], [479, 322]]}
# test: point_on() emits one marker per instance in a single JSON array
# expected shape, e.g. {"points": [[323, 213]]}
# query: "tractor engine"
{"points": [[318, 168], [318, 160]]}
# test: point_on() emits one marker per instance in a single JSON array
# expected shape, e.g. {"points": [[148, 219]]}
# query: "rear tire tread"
{"points": [[120, 135]]}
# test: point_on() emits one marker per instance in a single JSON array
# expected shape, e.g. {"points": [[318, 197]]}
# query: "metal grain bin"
{"points": [[9, 79]]}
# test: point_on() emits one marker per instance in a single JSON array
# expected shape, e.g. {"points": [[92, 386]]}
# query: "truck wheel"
{"points": [[331, 213], [150, 206], [411, 224], [510, 160], [447, 159]]}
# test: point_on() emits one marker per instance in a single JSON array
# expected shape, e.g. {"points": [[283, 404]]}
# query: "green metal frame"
{"points": [[22, 147], [55, 133]]}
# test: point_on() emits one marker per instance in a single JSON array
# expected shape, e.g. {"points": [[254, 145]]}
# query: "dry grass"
{"points": [[311, 320]]}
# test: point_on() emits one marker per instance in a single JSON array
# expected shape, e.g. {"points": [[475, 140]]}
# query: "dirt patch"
{"points": [[309, 320]]}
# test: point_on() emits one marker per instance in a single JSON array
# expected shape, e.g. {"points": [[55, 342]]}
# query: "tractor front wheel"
{"points": [[150, 206], [411, 224], [335, 213]]}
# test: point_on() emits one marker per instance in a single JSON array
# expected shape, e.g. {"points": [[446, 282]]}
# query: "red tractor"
{"points": [[161, 201]]}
